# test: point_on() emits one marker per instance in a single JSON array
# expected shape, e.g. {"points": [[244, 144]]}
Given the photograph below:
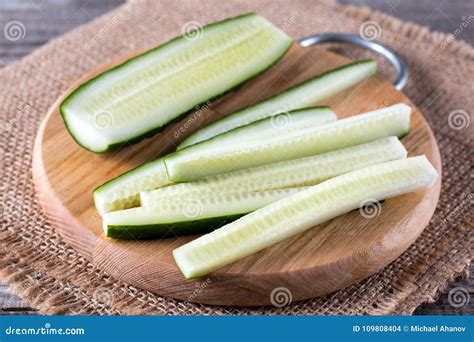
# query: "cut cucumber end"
{"points": [[140, 96], [186, 267], [123, 191]]}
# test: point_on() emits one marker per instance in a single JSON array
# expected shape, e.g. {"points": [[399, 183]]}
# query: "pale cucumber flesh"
{"points": [[299, 212], [143, 94], [194, 215], [270, 127], [189, 164], [293, 173], [124, 191], [302, 95]]}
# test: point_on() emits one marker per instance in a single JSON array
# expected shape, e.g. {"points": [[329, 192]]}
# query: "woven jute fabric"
{"points": [[53, 277]]}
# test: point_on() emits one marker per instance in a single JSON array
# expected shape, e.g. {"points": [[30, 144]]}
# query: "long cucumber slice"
{"points": [[193, 215], [123, 191], [143, 94], [270, 127], [303, 95], [191, 163], [297, 213], [292, 173]]}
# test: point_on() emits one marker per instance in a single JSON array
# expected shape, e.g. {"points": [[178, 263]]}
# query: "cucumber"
{"points": [[138, 97], [299, 212], [269, 127], [194, 163], [123, 191], [302, 95], [292, 173], [193, 215]]}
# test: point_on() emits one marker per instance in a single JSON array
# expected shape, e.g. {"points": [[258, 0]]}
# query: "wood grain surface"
{"points": [[324, 259], [46, 19]]}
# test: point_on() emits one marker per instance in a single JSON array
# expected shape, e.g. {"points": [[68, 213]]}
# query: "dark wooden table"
{"points": [[45, 19]]}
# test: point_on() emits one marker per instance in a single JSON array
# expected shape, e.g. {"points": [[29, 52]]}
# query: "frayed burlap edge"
{"points": [[419, 294]]}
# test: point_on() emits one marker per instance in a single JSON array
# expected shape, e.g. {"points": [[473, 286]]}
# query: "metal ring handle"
{"points": [[397, 63]]}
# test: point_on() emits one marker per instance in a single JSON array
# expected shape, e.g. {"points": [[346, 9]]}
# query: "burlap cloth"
{"points": [[41, 268]]}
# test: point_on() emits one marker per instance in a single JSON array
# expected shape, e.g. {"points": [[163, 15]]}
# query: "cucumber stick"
{"points": [[299, 212], [143, 94], [123, 191], [270, 127], [292, 173], [193, 215], [303, 95], [194, 163]]}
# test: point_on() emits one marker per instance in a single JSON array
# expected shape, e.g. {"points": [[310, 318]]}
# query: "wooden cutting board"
{"points": [[324, 259]]}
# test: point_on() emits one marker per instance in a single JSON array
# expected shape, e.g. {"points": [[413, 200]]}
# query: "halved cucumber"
{"points": [[193, 215], [297, 213], [123, 191], [192, 163], [292, 173], [141, 95], [303, 95]]}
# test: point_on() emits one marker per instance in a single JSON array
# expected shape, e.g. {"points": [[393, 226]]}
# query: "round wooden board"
{"points": [[324, 259]]}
